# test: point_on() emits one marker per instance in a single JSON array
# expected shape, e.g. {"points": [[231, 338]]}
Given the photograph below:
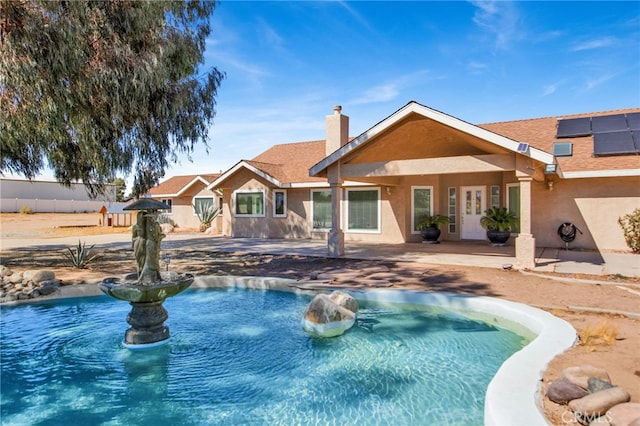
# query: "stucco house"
{"points": [[183, 194], [583, 169]]}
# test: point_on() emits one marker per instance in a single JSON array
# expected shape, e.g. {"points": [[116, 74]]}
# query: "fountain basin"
{"points": [[130, 290]]}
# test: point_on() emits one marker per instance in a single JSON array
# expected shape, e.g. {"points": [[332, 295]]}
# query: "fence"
{"points": [[13, 205]]}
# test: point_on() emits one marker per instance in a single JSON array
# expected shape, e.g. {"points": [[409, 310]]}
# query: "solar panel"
{"points": [[562, 149], [574, 127], [608, 123], [633, 120], [636, 140], [613, 143]]}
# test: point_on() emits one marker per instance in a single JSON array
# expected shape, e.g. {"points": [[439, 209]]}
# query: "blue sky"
{"points": [[287, 63]]}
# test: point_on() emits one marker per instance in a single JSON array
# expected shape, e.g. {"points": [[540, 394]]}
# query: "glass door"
{"points": [[472, 209]]}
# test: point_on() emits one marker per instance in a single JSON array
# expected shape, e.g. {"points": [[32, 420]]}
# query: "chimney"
{"points": [[337, 130]]}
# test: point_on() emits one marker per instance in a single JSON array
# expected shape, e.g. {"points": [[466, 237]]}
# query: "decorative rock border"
{"points": [[592, 398], [23, 285]]}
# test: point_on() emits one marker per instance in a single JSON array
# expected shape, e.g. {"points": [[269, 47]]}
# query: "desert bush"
{"points": [[165, 218], [206, 214], [81, 257], [630, 224], [603, 333], [26, 210]]}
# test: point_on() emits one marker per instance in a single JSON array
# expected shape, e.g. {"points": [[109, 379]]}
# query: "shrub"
{"points": [[165, 218], [26, 210], [603, 333], [206, 213], [630, 224], [81, 257]]}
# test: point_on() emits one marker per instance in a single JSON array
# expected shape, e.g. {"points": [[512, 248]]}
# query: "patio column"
{"points": [[335, 243], [525, 242]]}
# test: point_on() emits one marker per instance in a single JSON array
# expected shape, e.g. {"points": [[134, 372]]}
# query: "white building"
{"points": [[49, 196]]}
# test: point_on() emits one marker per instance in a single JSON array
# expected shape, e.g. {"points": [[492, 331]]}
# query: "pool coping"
{"points": [[507, 401]]}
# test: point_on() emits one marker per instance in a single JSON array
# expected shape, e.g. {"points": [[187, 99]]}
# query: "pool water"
{"points": [[240, 357]]}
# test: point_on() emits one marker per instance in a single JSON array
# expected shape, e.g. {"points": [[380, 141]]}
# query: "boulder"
{"points": [[562, 391], [579, 375], [597, 404], [325, 318], [595, 385], [15, 278], [38, 275], [4, 271], [345, 300], [624, 414]]}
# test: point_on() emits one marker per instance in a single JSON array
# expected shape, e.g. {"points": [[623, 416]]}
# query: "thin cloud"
{"points": [[552, 88], [593, 44], [355, 14], [500, 19], [595, 82], [477, 67], [391, 90]]}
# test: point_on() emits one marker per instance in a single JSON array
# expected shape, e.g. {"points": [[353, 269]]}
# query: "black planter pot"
{"points": [[498, 238], [430, 235]]}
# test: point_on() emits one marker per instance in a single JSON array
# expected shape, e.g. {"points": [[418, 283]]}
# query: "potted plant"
{"points": [[498, 221], [429, 227]]}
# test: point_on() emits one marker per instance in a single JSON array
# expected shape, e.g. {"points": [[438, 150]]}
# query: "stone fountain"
{"points": [[147, 289]]}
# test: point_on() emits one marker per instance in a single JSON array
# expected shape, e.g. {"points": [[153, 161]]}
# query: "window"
{"points": [[421, 205], [169, 202], [321, 210], [513, 202], [363, 210], [452, 210], [495, 196], [200, 203], [249, 203], [279, 203]]}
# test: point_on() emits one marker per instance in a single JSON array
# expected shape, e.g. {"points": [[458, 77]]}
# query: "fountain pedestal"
{"points": [[149, 287]]}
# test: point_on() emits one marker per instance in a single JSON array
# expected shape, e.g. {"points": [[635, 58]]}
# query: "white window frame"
{"points": [[453, 217], [193, 202], [248, 191], [494, 203], [313, 229], [413, 188], [169, 202], [275, 195], [379, 218]]}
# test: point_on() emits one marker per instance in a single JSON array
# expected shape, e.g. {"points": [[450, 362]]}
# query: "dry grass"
{"points": [[603, 333]]}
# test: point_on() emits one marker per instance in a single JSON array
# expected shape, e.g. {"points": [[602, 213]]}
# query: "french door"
{"points": [[472, 209]]}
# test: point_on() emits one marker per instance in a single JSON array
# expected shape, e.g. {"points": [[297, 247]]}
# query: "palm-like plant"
{"points": [[206, 214], [498, 219], [431, 222]]}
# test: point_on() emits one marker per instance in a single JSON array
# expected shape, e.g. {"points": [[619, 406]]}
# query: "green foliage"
{"points": [[121, 186], [25, 209], [94, 89], [630, 224], [430, 221], [206, 214], [498, 219], [81, 257]]}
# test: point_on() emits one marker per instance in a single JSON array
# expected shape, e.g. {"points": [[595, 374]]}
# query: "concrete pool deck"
{"points": [[480, 253]]}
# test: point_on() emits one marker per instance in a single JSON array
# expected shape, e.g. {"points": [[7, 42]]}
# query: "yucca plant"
{"points": [[81, 257], [206, 214]]}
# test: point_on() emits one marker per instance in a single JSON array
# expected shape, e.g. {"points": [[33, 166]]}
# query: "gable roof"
{"points": [[283, 165], [540, 134], [176, 185]]}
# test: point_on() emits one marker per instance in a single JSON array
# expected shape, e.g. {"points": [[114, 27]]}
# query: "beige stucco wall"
{"points": [[593, 205], [182, 207]]}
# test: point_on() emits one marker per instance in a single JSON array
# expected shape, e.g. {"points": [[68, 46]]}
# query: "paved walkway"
{"points": [[447, 253]]}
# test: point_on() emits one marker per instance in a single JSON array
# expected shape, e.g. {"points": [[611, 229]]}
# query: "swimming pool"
{"points": [[241, 357]]}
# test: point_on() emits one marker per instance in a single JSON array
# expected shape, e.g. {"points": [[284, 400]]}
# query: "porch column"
{"points": [[525, 242], [335, 243]]}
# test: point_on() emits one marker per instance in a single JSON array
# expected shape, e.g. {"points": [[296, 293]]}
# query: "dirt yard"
{"points": [[620, 355]]}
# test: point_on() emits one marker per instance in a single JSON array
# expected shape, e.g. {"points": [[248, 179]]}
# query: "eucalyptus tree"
{"points": [[94, 89]]}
